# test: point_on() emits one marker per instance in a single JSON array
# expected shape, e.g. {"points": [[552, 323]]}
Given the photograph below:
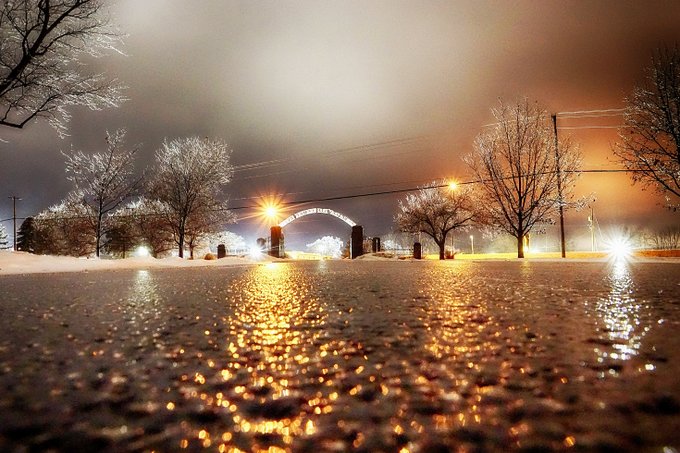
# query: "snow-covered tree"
{"points": [[43, 48], [649, 144], [516, 165], [104, 179], [189, 179], [142, 222], [436, 210], [66, 228], [327, 246], [4, 239], [396, 241], [233, 243]]}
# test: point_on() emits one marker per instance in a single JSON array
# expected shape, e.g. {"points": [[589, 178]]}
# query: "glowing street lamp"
{"points": [[271, 212], [472, 244]]}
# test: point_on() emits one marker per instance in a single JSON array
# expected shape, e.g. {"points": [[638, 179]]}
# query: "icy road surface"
{"points": [[344, 356]]}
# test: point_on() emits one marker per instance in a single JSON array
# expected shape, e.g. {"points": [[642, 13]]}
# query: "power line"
{"points": [[593, 111], [300, 160], [592, 127], [362, 195], [329, 154], [413, 189]]}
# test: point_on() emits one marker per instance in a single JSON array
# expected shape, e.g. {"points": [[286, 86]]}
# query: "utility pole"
{"points": [[591, 221], [559, 188], [14, 199]]}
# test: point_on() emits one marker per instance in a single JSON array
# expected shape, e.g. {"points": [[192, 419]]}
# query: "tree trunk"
{"points": [[181, 244], [99, 233], [520, 246], [442, 247]]}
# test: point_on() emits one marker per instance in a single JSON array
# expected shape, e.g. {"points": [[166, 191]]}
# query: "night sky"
{"points": [[341, 98]]}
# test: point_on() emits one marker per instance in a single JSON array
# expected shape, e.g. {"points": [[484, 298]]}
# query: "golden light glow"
{"points": [[270, 209], [453, 185], [271, 212]]}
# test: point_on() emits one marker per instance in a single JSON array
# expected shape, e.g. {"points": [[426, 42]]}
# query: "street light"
{"points": [[271, 212], [472, 244]]}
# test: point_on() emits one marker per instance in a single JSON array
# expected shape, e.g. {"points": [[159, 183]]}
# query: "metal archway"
{"points": [[356, 240], [311, 211]]}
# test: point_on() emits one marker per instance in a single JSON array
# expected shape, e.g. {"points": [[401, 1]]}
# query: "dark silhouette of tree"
{"points": [[436, 211], [26, 236], [516, 164], [119, 242], [649, 144], [43, 45]]}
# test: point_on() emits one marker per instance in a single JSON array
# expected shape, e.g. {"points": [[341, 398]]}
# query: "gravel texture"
{"points": [[344, 356]]}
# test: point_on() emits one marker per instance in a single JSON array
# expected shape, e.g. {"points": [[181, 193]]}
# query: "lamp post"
{"points": [[472, 244]]}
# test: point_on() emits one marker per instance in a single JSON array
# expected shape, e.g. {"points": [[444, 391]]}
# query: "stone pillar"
{"points": [[417, 251], [376, 245], [276, 247], [221, 251], [356, 247]]}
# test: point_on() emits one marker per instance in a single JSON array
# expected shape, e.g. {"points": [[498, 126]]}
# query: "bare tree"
{"points": [[208, 222], [649, 144], [65, 228], [518, 169], [665, 239], [105, 179], [436, 210], [189, 179], [42, 45]]}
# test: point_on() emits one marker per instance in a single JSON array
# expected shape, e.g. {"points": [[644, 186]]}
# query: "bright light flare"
{"points": [[619, 248], [453, 185], [142, 251], [271, 212]]}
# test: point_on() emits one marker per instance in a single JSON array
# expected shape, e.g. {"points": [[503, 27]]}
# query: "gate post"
{"points": [[376, 245], [417, 251], [276, 247], [357, 241]]}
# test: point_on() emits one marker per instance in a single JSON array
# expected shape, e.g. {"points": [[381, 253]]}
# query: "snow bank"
{"points": [[27, 263]]}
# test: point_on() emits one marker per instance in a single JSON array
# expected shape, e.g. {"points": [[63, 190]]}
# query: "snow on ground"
{"points": [[27, 263]]}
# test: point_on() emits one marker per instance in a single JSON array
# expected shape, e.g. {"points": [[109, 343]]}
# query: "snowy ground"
{"points": [[13, 263], [26, 263]]}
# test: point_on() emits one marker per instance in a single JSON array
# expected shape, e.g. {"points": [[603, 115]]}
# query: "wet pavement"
{"points": [[344, 356]]}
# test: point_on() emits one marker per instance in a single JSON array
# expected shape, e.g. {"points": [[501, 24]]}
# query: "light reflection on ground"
{"points": [[620, 312], [340, 356]]}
